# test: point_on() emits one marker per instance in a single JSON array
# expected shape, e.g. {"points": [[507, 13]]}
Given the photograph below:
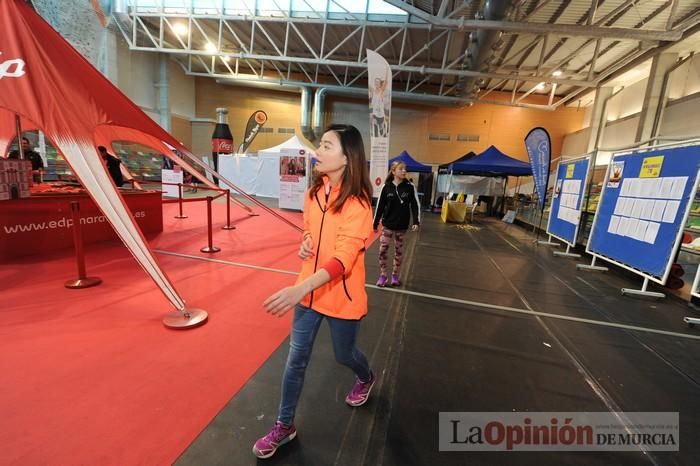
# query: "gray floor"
{"points": [[435, 355]]}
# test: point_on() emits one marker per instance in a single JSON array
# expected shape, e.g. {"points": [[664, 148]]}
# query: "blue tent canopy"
{"points": [[492, 162], [411, 164], [445, 167]]}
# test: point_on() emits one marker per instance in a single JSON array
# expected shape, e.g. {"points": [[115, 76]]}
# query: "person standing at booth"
{"points": [[113, 166], [398, 201], [331, 284], [29, 154]]}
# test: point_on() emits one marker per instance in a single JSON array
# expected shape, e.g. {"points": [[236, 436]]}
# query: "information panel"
{"points": [[643, 207], [567, 199]]}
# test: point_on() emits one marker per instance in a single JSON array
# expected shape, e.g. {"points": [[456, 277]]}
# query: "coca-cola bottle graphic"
{"points": [[222, 139]]}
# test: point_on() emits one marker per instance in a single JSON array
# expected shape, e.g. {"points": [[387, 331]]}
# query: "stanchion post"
{"points": [[179, 200], [210, 248], [228, 225], [83, 281]]}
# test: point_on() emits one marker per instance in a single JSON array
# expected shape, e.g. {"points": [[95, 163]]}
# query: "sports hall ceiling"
{"points": [[441, 52]]}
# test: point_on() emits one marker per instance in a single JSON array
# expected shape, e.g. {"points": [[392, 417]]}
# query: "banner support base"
{"points": [[549, 242], [85, 282], [691, 321], [643, 292], [187, 318], [592, 267], [567, 253]]}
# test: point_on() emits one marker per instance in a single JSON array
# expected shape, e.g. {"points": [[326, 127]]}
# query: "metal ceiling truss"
{"points": [[427, 51]]}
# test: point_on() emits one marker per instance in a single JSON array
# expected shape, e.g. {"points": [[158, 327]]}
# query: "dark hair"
{"points": [[356, 175], [102, 148], [394, 165], [25, 138]]}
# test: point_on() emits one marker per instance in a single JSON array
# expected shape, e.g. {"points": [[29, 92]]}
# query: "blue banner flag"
{"points": [[539, 150]]}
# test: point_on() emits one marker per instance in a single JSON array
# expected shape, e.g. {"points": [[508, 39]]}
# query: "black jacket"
{"points": [[395, 206]]}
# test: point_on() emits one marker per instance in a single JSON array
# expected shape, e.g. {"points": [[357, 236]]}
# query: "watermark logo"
{"points": [[556, 431], [12, 68]]}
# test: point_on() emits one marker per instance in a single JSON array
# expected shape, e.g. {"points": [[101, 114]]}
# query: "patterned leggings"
{"points": [[384, 241]]}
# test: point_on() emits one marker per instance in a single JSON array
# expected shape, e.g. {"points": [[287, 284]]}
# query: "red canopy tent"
{"points": [[45, 81]]}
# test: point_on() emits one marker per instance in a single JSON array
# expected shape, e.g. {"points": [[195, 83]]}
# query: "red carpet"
{"points": [[92, 377]]}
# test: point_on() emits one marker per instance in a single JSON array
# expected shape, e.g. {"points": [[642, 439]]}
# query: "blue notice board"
{"points": [[567, 199], [643, 207]]}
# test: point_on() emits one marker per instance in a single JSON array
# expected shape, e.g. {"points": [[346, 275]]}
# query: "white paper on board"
{"points": [[652, 232], [614, 223], [658, 213], [671, 211]]}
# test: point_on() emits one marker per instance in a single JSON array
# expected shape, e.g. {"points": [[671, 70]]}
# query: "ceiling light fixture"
{"points": [[180, 29]]}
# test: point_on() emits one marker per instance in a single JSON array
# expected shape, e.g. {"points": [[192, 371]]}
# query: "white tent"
{"points": [[259, 175]]}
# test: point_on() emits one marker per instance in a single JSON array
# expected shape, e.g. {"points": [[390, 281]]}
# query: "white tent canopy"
{"points": [[259, 175]]}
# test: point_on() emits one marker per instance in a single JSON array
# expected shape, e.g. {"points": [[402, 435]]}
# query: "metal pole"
{"points": [[83, 281], [179, 200], [210, 248], [228, 225], [18, 126]]}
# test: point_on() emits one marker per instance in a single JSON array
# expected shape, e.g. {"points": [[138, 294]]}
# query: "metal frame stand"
{"points": [[83, 281], [179, 199], [210, 248], [549, 242], [566, 253], [643, 292], [228, 225], [592, 267], [691, 321]]}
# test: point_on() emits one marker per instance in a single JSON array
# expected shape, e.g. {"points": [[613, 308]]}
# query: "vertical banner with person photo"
{"points": [[539, 150], [379, 86], [293, 178]]}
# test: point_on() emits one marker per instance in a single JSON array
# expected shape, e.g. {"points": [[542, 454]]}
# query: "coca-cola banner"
{"points": [[255, 122]]}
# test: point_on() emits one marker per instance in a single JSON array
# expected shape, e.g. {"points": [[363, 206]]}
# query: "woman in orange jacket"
{"points": [[331, 284]]}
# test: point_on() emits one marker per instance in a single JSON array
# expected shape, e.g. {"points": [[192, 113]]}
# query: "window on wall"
{"points": [[286, 130], [266, 130], [468, 137], [439, 137]]}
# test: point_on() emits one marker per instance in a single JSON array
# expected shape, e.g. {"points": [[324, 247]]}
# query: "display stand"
{"points": [[645, 201], [567, 201]]}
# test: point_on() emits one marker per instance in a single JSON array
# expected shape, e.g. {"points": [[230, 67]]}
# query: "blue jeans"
{"points": [[304, 329]]}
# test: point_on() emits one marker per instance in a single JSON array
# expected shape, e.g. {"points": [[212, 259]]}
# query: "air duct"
{"points": [[306, 114], [319, 103], [483, 42]]}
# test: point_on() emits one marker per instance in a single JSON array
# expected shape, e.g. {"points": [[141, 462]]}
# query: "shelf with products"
{"points": [[142, 162]]}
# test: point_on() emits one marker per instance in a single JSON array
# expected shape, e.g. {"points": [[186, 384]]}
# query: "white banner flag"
{"points": [[379, 117]]}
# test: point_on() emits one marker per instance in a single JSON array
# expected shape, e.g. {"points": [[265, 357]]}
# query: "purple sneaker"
{"points": [[360, 391], [382, 281], [280, 434], [395, 280]]}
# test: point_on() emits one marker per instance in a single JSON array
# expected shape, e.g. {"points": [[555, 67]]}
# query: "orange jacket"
{"points": [[342, 236]]}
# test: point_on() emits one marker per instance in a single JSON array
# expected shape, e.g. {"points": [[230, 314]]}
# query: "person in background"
{"points": [[331, 284], [29, 154], [113, 166], [397, 202]]}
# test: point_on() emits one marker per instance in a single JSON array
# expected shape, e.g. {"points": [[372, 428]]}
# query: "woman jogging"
{"points": [[331, 284], [397, 202]]}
